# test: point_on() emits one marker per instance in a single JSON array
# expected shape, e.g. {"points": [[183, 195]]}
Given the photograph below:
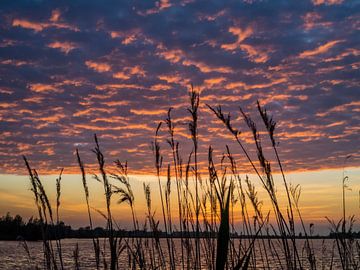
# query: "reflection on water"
{"points": [[14, 256]]}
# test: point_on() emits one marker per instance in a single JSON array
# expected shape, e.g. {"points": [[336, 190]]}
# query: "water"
{"points": [[14, 256]]}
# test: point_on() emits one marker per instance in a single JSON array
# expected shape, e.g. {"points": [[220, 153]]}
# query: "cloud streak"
{"points": [[320, 50]]}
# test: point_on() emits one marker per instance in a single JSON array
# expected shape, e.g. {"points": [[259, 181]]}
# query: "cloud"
{"points": [[91, 111], [40, 26], [320, 50], [236, 85], [119, 86], [205, 68], [98, 66], [148, 112], [160, 87], [258, 55], [40, 88], [240, 34], [69, 70], [173, 56], [160, 5], [327, 2], [174, 78], [55, 15], [121, 75], [353, 106], [214, 81], [65, 47], [29, 25]]}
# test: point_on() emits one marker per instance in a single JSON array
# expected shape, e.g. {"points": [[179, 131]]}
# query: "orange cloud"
{"points": [[5, 105], [243, 85], [175, 78], [164, 4], [121, 75], [55, 15], [29, 25], [159, 87], [255, 55], [113, 119], [335, 124], [329, 69], [173, 56], [117, 103], [51, 119], [128, 36], [148, 112], [119, 86], [34, 99], [224, 98], [39, 88], [302, 135], [97, 66], [72, 82], [206, 68], [127, 72], [49, 151], [241, 36], [327, 2], [24, 111], [234, 85], [312, 20], [92, 111], [23, 146], [65, 47], [136, 70], [355, 107], [214, 81], [320, 50], [115, 34], [128, 40], [347, 52], [39, 26], [14, 62], [160, 5], [178, 56], [125, 127]]}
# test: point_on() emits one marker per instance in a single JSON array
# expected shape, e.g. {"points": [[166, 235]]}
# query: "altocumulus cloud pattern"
{"points": [[72, 68]]}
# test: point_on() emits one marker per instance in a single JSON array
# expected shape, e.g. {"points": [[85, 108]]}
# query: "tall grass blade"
{"points": [[223, 234]]}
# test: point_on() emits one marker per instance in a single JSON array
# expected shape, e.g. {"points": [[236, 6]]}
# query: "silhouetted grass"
{"points": [[205, 209]]}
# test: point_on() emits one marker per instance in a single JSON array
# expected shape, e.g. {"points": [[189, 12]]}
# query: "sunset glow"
{"points": [[70, 70]]}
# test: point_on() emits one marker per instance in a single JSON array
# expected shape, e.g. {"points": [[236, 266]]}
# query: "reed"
{"points": [[209, 209], [95, 240], [193, 128], [45, 212]]}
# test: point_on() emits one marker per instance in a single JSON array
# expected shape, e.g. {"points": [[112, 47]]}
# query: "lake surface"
{"points": [[14, 256]]}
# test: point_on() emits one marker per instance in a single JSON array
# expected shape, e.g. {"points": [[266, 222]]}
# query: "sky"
{"points": [[70, 69]]}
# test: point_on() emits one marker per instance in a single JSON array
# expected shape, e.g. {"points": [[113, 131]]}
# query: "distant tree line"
{"points": [[15, 228]]}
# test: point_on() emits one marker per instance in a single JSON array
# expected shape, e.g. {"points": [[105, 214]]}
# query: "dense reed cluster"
{"points": [[200, 233]]}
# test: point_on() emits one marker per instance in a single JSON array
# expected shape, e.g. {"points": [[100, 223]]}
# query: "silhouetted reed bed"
{"points": [[199, 236]]}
